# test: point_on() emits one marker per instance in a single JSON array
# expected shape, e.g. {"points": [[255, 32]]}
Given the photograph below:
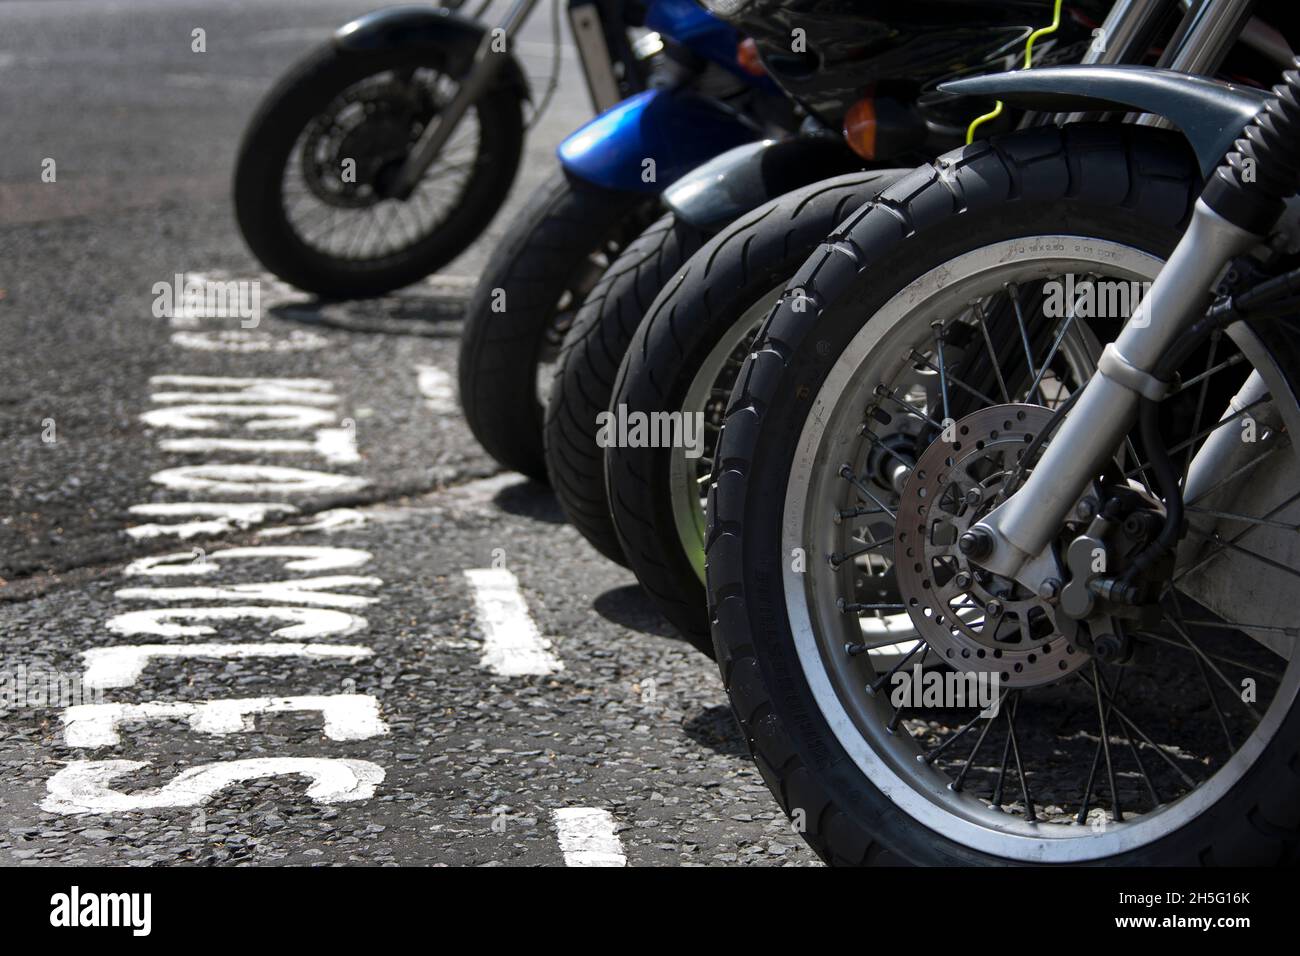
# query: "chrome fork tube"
{"points": [[1023, 526], [482, 70]]}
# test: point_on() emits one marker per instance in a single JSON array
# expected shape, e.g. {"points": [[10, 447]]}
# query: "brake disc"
{"points": [[975, 620], [372, 127]]}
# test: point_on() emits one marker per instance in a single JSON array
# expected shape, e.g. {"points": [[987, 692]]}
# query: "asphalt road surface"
{"points": [[419, 663]]}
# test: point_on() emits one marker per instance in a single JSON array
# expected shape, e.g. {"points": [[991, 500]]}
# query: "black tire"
{"points": [[551, 258], [268, 146], [584, 380], [1130, 184], [685, 323]]}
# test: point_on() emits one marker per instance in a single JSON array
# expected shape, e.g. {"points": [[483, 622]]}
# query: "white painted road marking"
{"points": [[314, 592], [587, 837], [308, 621], [437, 388], [255, 480], [221, 388], [238, 340], [224, 516], [338, 446], [82, 786], [304, 558], [251, 405], [205, 417], [336, 519], [347, 716], [512, 645], [122, 664]]}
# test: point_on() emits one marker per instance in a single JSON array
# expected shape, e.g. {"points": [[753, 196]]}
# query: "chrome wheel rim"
{"points": [[867, 727], [345, 214]]}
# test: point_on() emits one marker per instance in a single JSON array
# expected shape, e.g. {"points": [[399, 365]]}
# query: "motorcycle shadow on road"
{"points": [[711, 727], [432, 309], [629, 607], [716, 728], [530, 499]]}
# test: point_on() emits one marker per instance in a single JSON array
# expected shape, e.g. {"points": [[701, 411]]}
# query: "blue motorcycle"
{"points": [[704, 96], [387, 151]]}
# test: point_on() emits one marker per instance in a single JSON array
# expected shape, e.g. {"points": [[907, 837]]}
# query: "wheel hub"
{"points": [[973, 619], [372, 130]]}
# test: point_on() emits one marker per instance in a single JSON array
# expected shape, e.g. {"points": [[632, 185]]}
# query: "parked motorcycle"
{"points": [[702, 101], [871, 103], [684, 361], [1055, 417], [388, 150], [688, 350]]}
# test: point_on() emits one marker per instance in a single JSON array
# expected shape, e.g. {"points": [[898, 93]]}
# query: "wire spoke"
{"points": [[1020, 770], [1232, 688], [931, 755], [1200, 399], [1199, 435], [960, 781], [1128, 740], [847, 474], [1206, 558], [1014, 293], [1116, 811], [1236, 359], [1006, 756], [1051, 354], [1249, 519], [993, 355], [1160, 751], [883, 392], [874, 687], [965, 387], [1245, 552], [943, 372], [1232, 662]]}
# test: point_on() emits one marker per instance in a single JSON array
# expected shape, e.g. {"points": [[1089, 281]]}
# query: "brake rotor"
{"points": [[975, 620], [374, 128]]}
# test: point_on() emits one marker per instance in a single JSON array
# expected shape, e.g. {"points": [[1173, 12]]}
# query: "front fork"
{"points": [[1240, 205], [1023, 526], [483, 70]]}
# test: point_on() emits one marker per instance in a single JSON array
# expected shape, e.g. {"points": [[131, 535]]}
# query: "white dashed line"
{"points": [[512, 645], [587, 837], [438, 389]]}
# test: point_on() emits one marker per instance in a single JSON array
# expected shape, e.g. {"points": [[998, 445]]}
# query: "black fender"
{"points": [[452, 37], [1209, 113], [745, 177]]}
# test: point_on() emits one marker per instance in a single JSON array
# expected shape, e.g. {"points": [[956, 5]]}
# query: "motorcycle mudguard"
{"points": [[452, 37], [1209, 113], [652, 139], [743, 178]]}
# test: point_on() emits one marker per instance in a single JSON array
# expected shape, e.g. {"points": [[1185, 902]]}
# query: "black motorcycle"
{"points": [[682, 359], [1042, 394]]}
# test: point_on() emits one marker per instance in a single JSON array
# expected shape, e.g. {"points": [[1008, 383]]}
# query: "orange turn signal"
{"points": [[747, 57], [860, 127]]}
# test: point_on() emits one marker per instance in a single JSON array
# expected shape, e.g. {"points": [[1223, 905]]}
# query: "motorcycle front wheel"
{"points": [[553, 255], [314, 175], [1178, 750]]}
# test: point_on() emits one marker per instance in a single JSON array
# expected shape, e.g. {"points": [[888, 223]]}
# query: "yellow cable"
{"points": [[1029, 61]]}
